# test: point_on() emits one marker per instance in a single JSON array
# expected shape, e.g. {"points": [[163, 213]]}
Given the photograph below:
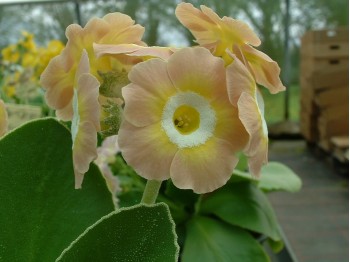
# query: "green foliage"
{"points": [[48, 219], [276, 177], [140, 233], [211, 240], [243, 204], [41, 212]]}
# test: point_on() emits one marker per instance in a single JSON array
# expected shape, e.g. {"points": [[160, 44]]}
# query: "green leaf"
{"points": [[276, 176], [41, 212], [244, 205], [212, 240], [139, 233]]}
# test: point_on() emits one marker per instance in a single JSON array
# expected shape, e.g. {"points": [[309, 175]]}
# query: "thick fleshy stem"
{"points": [[151, 192]]}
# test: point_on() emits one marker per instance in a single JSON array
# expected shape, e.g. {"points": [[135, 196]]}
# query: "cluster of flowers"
{"points": [[181, 113], [22, 63]]}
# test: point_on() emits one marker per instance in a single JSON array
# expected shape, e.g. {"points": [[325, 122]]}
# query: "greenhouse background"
{"points": [[308, 124]]}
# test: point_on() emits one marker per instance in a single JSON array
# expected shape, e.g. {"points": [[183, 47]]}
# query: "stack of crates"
{"points": [[324, 80]]}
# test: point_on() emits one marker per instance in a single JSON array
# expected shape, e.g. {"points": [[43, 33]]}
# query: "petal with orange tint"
{"points": [[205, 168], [145, 98], [3, 118], [147, 149], [133, 50], [57, 79], [65, 113], [265, 70], [197, 70], [254, 122], [84, 150], [208, 28], [239, 80], [89, 107]]}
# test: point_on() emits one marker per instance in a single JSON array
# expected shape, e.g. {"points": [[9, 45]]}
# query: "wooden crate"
{"points": [[333, 97], [324, 81], [326, 43]]}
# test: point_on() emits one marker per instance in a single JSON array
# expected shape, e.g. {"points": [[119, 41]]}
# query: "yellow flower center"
{"points": [[186, 119]]}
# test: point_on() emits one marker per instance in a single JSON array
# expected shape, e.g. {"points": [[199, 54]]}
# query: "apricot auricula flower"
{"points": [[227, 34], [179, 123], [59, 77]]}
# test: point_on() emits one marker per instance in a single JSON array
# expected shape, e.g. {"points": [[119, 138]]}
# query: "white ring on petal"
{"points": [[206, 114]]}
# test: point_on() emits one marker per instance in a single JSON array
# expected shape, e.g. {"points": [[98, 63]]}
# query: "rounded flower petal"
{"points": [[204, 169], [147, 150], [196, 69], [148, 93], [3, 118], [58, 80]]}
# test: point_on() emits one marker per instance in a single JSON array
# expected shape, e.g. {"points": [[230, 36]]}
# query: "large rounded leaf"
{"points": [[243, 204], [277, 176], [41, 213], [213, 240], [139, 233]]}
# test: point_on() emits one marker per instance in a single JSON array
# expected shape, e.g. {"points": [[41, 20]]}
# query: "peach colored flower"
{"points": [[85, 122], [179, 123], [244, 95], [222, 34], [59, 77], [3, 118]]}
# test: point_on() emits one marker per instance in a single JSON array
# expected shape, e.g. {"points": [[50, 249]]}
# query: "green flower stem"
{"points": [[151, 192]]}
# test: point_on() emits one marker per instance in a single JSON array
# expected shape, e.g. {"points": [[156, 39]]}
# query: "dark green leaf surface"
{"points": [[243, 204], [211, 240], [41, 213], [139, 233]]}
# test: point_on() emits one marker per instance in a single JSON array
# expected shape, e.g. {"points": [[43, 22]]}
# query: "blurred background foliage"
{"points": [[48, 21]]}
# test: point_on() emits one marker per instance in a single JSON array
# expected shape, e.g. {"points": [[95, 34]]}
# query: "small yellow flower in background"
{"points": [[222, 34], [3, 118], [10, 54], [86, 120], [10, 90], [30, 59], [59, 77], [179, 123], [28, 42]]}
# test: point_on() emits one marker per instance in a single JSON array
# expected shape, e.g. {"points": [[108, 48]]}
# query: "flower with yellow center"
{"points": [[85, 122], [222, 34], [179, 123], [3, 118], [59, 77]]}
